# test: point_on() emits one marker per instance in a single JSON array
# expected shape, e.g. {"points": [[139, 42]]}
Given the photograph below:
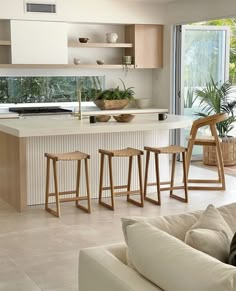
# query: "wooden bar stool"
{"points": [[74, 156], [174, 150], [130, 153], [212, 140]]}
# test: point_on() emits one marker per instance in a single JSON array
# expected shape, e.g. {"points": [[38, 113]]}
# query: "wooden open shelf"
{"points": [[61, 66], [99, 45], [5, 42]]}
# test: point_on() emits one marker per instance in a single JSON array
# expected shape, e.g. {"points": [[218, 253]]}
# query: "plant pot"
{"points": [[228, 147], [111, 104]]}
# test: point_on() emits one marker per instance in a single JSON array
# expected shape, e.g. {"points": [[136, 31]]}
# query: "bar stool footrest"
{"points": [[185, 200], [152, 200]]}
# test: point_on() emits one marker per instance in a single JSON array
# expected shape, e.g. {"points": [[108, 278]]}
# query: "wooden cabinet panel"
{"points": [[148, 45]]}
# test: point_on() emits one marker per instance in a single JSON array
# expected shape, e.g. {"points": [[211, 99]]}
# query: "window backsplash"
{"points": [[49, 89]]}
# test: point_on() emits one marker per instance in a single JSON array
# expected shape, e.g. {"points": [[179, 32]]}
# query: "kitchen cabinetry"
{"points": [[147, 51], [53, 45], [38, 42], [5, 43]]}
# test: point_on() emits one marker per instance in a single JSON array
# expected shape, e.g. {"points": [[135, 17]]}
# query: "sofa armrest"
{"points": [[101, 270]]}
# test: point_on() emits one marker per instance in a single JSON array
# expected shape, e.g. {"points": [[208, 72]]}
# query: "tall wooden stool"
{"points": [[174, 150], [130, 153], [74, 156], [213, 141]]}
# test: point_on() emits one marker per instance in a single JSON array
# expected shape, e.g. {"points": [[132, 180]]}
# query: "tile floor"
{"points": [[40, 252]]}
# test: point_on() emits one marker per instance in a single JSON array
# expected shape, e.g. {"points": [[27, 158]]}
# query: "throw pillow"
{"points": [[172, 265], [232, 255], [211, 234]]}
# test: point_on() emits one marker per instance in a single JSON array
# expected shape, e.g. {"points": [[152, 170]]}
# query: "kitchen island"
{"points": [[24, 142]]}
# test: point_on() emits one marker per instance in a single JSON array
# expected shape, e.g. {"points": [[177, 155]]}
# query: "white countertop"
{"points": [[61, 126]]}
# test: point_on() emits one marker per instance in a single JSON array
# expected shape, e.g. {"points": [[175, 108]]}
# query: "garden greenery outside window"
{"points": [[49, 89]]}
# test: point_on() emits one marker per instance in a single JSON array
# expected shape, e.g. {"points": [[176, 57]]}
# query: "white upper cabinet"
{"points": [[36, 42]]}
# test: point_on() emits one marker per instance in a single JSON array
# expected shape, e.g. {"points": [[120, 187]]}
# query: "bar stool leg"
{"points": [[86, 209], [185, 181], [47, 184], [129, 177], [57, 212], [172, 173], [101, 188], [158, 202], [111, 183], [140, 180], [87, 185], [146, 184], [101, 178], [185, 177], [146, 174], [78, 182]]}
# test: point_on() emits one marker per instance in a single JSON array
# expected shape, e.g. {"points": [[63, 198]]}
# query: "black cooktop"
{"points": [[36, 110]]}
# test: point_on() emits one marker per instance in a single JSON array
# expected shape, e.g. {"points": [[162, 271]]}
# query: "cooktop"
{"points": [[38, 110]]}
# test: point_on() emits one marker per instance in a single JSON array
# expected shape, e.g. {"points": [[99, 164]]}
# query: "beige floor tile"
{"points": [[40, 252]]}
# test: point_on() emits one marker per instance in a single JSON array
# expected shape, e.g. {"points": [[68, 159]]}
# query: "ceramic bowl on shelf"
{"points": [[76, 61], [83, 39], [123, 117], [100, 62], [143, 103], [103, 118]]}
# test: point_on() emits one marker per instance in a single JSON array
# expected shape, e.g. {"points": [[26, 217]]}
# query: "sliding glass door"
{"points": [[204, 54]]}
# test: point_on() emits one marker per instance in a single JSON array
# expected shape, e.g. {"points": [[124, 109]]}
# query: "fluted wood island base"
{"points": [[24, 142]]}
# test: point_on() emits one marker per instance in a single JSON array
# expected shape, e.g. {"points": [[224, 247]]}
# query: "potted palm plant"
{"points": [[214, 99], [114, 98]]}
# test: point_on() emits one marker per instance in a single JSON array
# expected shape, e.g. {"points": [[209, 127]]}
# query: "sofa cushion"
{"points": [[178, 225], [232, 254], [211, 234], [172, 265]]}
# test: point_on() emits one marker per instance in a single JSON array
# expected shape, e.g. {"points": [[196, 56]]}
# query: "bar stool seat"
{"points": [[130, 153], [174, 150], [72, 156]]}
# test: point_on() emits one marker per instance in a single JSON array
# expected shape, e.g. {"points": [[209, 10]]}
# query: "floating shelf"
{"points": [[62, 66], [99, 45], [5, 42]]}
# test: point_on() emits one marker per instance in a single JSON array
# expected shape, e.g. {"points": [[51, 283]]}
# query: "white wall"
{"points": [[96, 11], [186, 11]]}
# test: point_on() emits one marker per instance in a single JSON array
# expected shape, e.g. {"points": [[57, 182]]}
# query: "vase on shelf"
{"points": [[111, 37]]}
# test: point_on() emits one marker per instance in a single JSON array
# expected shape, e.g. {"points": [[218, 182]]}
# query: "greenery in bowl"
{"points": [[216, 98], [116, 93]]}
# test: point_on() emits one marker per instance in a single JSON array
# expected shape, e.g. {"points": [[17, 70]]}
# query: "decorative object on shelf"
{"points": [[92, 119], [76, 61], [111, 104], [114, 98], [214, 99], [127, 60], [143, 103], [103, 118], [162, 116], [83, 39], [111, 37], [100, 62], [123, 117]]}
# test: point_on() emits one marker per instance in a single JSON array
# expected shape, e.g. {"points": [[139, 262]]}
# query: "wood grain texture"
{"points": [[99, 45], [148, 45], [13, 170]]}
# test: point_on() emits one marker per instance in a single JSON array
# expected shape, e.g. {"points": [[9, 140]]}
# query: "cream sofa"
{"points": [[105, 268]]}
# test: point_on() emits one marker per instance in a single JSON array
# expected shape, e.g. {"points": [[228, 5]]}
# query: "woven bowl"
{"points": [[123, 117], [103, 118]]}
